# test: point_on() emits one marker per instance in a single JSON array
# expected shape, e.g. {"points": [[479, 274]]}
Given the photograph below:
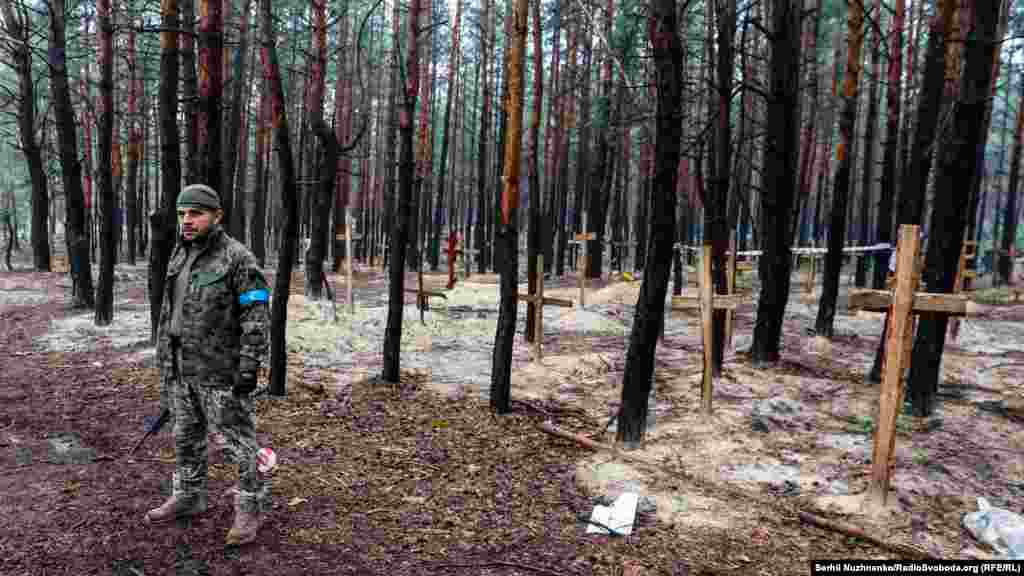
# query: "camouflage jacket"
{"points": [[225, 321]]}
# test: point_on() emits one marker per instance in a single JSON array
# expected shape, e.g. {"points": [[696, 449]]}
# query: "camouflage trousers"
{"points": [[200, 411]]}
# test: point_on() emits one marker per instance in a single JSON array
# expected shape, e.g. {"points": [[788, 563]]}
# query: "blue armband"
{"points": [[261, 295]]}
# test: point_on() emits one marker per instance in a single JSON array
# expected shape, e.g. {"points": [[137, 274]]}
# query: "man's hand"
{"points": [[245, 383]]}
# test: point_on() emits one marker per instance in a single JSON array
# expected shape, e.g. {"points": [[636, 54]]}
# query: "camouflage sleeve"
{"points": [[253, 317], [164, 356]]}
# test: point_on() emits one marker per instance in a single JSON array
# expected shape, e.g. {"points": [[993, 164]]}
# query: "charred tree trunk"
{"points": [[21, 55], [230, 161], [650, 312], [782, 172], [915, 185], [892, 135], [328, 159], [508, 231], [286, 165], [264, 132], [105, 292], [716, 221], [868, 166], [164, 219], [71, 169], [134, 150], [191, 92], [957, 165], [400, 226], [1009, 229], [319, 200], [841, 186]]}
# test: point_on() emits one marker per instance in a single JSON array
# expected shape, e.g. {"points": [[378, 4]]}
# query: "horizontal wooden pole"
{"points": [[718, 302], [879, 300], [587, 236], [547, 301], [426, 293]]}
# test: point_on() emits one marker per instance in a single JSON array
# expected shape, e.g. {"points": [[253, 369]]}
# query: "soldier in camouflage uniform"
{"points": [[212, 339]]}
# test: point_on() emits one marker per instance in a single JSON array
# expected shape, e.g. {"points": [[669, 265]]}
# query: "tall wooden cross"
{"points": [[539, 301], [348, 236], [901, 303], [583, 238], [707, 302], [467, 253], [422, 295]]}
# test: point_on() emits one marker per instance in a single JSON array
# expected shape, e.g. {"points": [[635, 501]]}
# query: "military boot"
{"points": [[245, 526], [177, 506]]}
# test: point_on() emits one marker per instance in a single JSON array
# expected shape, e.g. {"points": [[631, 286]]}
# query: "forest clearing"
{"points": [[559, 287], [421, 478]]}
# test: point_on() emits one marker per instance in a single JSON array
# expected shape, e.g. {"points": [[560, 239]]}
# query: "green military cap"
{"points": [[199, 196]]}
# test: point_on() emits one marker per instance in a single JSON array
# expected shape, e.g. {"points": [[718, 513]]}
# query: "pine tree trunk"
{"points": [[1009, 228], [76, 234], [650, 313], [230, 162], [260, 189], [893, 104], [164, 220], [286, 167], [211, 85], [841, 187], [868, 166], [485, 117], [439, 206], [533, 246], [957, 165], [105, 289], [134, 150], [716, 223], [21, 54], [319, 199], [508, 230], [191, 92], [400, 226], [582, 148], [782, 172]]}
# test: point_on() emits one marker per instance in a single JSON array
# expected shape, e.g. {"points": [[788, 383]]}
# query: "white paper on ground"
{"points": [[619, 516]]}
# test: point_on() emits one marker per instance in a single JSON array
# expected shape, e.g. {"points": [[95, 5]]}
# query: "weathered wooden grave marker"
{"points": [[582, 239], [627, 244], [467, 253], [901, 303], [707, 302], [539, 301], [348, 237], [423, 296]]}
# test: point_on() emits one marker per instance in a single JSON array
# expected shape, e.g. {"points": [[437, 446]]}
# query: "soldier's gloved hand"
{"points": [[245, 383]]}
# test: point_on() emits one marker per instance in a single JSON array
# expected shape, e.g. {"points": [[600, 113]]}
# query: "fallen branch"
{"points": [[499, 563], [850, 530]]}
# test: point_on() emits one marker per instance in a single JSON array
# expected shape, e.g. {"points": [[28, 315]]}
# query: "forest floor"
{"points": [[421, 478]]}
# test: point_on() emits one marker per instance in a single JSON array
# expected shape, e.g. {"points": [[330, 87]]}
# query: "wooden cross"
{"points": [[539, 301], [582, 239], [348, 237], [812, 271], [901, 303], [467, 253], [706, 302], [423, 296], [624, 243]]}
